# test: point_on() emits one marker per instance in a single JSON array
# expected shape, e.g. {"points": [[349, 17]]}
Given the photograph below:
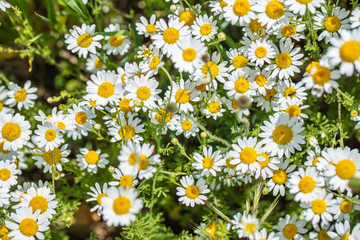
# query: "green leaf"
{"points": [[51, 11], [118, 33]]}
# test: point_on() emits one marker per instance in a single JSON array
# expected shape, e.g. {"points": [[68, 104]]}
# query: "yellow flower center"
{"points": [[288, 31], [346, 206], [293, 110], [283, 60], [93, 103], [50, 135], [4, 231], [264, 163], [189, 54], [187, 16], [61, 125], [260, 52], [248, 155], [171, 35], [1, 105], [241, 7], [255, 25], [321, 75], [84, 40], [98, 63], [201, 87], [270, 94], [124, 105], [322, 235], [11, 131], [2, 148], [116, 41], [283, 134], [350, 51], [186, 125], [150, 28], [29, 227], [56, 156], [144, 162], [332, 24], [234, 104], [20, 95], [132, 159], [229, 165], [126, 181], [81, 118], [161, 117], [214, 107], [353, 113], [260, 80], [121, 205], [318, 206], [250, 228], [182, 96], [205, 29], [345, 237], [39, 202], [129, 132], [275, 9], [106, 90], [223, 4], [290, 231], [239, 61], [92, 157], [306, 184], [154, 62], [290, 92], [211, 228], [345, 169], [214, 69], [315, 160], [241, 85], [99, 197], [208, 162], [143, 93], [311, 65], [279, 176], [192, 191], [304, 1], [5, 174]]}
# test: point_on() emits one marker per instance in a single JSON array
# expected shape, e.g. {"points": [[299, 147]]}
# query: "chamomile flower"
{"points": [[291, 228], [293, 109], [6, 154], [91, 159], [125, 177], [48, 136], [300, 6], [186, 126], [8, 174], [214, 107], [272, 13], [146, 161], [145, 27], [355, 18], [164, 118], [116, 44], [321, 233], [208, 163], [262, 80], [261, 51], [15, 131], [256, 28], [286, 60], [153, 62], [169, 35], [293, 31], [280, 177], [3, 5], [246, 155], [293, 93], [144, 53], [94, 63], [21, 97], [82, 40], [213, 69], [120, 206], [191, 193], [239, 106], [82, 116], [332, 23], [40, 199], [229, 168], [217, 7], [344, 207], [343, 231], [97, 193], [3, 97], [182, 93], [239, 11], [238, 59], [248, 226], [4, 197], [345, 51], [204, 28], [262, 234], [27, 225], [345, 165], [239, 84], [129, 129], [267, 166], [265, 101], [47, 158], [312, 157]]}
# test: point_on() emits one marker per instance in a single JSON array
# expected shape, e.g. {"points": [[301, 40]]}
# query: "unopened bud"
{"points": [[114, 120], [203, 134], [173, 8], [138, 102], [221, 36], [97, 126], [111, 169], [265, 191], [57, 176], [174, 141], [49, 100], [313, 142]]}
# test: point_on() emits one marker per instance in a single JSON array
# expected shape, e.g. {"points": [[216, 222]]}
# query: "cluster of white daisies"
{"points": [[209, 84]]}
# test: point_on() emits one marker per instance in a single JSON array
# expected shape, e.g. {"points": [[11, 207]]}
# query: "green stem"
{"points": [[123, 137], [53, 171], [340, 125], [218, 212]]}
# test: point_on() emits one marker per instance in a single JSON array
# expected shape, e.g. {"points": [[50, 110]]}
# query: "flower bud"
{"points": [[203, 134], [111, 169], [221, 36], [313, 142], [174, 141], [97, 126], [138, 102], [173, 8]]}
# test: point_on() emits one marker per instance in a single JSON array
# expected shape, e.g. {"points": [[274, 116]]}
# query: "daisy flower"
{"points": [[293, 109], [262, 80], [3, 97], [125, 177], [343, 231], [291, 228], [313, 156], [239, 84], [3, 5], [120, 206], [321, 78], [82, 116], [217, 8], [153, 62], [204, 28], [186, 126], [144, 89], [213, 69], [182, 93], [129, 129], [239, 11], [332, 23], [322, 233], [48, 136], [267, 166], [104, 87], [238, 59], [186, 15], [265, 101], [91, 159], [261, 51], [345, 165], [128, 156], [262, 234], [4, 197], [272, 13], [239, 106], [293, 31], [145, 27], [280, 177], [21, 97], [282, 134], [15, 131], [345, 51], [300, 6], [286, 60], [116, 44], [256, 28], [209, 163], [146, 161], [355, 18], [208, 230], [191, 193], [163, 118], [47, 158], [248, 226], [26, 225], [290, 92], [144, 52], [6, 154], [344, 207], [82, 40], [214, 108], [188, 56], [229, 168], [94, 63], [168, 36], [97, 193], [40, 199]]}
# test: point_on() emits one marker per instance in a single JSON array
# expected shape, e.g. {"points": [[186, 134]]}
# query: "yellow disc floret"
{"points": [[189, 54], [129, 132], [290, 231], [171, 35], [11, 131], [275, 9], [116, 41], [283, 134], [182, 96], [279, 176], [92, 157], [38, 202], [318, 206], [248, 155], [106, 90], [192, 191], [29, 227], [143, 93], [241, 7], [350, 51], [306, 184], [208, 162], [283, 60], [332, 24], [84, 40], [345, 169], [121, 205], [20, 95]]}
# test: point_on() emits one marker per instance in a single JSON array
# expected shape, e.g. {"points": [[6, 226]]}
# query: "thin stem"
{"points": [[271, 208], [123, 137], [340, 125], [53, 171], [218, 212]]}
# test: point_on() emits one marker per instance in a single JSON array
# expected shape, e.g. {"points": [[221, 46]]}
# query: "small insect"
{"points": [[292, 94]]}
